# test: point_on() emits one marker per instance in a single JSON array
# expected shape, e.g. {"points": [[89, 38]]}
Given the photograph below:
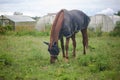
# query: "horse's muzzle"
{"points": [[53, 59]]}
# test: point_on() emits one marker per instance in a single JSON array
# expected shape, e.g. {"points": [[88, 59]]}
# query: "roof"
{"points": [[19, 18]]}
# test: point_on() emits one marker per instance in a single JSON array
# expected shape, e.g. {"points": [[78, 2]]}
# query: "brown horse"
{"points": [[67, 23]]}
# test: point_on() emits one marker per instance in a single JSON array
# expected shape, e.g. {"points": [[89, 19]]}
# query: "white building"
{"points": [[44, 21], [104, 22], [18, 21]]}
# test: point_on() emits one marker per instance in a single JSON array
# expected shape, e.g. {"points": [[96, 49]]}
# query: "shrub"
{"points": [[9, 27], [116, 31], [4, 29]]}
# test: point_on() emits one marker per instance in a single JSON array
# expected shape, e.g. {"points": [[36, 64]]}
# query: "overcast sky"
{"points": [[42, 7]]}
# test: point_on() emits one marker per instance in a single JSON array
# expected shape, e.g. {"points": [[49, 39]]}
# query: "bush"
{"points": [[116, 31], [9, 27], [4, 29]]}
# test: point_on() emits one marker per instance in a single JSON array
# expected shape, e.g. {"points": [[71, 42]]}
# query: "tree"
{"points": [[118, 13]]}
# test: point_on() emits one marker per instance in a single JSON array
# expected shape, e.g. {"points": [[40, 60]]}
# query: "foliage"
{"points": [[4, 29], [9, 27], [116, 31], [118, 13]]}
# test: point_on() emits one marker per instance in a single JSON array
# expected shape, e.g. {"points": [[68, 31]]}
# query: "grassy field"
{"points": [[27, 58]]}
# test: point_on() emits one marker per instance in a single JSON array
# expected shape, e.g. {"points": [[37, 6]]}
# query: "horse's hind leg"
{"points": [[85, 39], [74, 45]]}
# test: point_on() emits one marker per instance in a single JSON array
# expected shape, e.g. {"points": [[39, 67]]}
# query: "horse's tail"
{"points": [[84, 34], [86, 39], [88, 21]]}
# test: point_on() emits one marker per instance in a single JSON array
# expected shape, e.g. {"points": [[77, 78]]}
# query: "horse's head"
{"points": [[54, 51]]}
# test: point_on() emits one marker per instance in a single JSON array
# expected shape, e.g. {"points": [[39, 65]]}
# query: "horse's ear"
{"points": [[46, 43]]}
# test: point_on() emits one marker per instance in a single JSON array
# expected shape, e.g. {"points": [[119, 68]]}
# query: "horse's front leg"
{"points": [[74, 45], [67, 46], [62, 46]]}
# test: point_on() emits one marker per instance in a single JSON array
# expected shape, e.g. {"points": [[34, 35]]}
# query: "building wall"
{"points": [[24, 26], [103, 22], [45, 21], [29, 25]]}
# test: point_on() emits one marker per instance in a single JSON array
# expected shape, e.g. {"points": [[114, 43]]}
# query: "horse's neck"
{"points": [[56, 27]]}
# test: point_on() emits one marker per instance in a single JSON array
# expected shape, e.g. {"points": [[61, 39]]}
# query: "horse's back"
{"points": [[80, 18], [74, 21]]}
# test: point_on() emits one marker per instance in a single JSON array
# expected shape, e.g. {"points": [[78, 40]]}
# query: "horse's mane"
{"points": [[55, 29]]}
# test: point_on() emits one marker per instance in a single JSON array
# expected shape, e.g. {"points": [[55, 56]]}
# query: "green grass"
{"points": [[25, 57]]}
